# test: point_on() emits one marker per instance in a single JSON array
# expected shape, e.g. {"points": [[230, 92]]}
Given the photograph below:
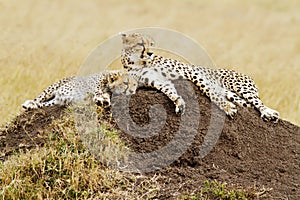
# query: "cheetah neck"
{"points": [[132, 60], [147, 58]]}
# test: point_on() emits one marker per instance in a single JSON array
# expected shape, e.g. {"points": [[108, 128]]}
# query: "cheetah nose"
{"points": [[106, 104]]}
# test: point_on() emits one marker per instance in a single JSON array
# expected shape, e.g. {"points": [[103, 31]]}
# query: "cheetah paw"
{"points": [[124, 90], [180, 106], [30, 104], [230, 109], [103, 100], [270, 115]]}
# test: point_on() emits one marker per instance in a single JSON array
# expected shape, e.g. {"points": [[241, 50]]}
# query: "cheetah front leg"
{"points": [[152, 79], [102, 98], [147, 77]]}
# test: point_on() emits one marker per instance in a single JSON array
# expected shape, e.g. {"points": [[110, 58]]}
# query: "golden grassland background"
{"points": [[43, 41]]}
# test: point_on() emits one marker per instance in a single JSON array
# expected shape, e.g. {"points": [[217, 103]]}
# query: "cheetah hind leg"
{"points": [[269, 114], [47, 97], [266, 113], [30, 104]]}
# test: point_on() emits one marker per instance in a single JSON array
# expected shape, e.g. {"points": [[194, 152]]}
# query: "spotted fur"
{"points": [[226, 88], [74, 89]]}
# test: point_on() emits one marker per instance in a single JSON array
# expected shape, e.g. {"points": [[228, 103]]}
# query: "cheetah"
{"points": [[225, 88], [74, 89], [101, 85]]}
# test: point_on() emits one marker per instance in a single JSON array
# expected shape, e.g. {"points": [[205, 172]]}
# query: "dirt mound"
{"points": [[27, 130], [248, 152]]}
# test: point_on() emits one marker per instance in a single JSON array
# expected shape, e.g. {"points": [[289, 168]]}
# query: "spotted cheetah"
{"points": [[74, 89], [226, 88]]}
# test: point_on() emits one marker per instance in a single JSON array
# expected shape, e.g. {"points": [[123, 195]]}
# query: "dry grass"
{"points": [[65, 169], [41, 41]]}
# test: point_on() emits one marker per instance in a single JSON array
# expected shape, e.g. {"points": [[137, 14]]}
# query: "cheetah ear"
{"points": [[150, 40], [152, 43], [116, 77], [122, 34]]}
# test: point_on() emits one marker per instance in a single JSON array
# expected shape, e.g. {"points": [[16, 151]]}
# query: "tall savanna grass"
{"points": [[43, 41]]}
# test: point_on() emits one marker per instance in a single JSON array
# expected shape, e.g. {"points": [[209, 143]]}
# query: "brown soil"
{"points": [[248, 153]]}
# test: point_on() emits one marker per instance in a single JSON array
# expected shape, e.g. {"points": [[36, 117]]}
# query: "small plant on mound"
{"points": [[221, 191], [224, 191]]}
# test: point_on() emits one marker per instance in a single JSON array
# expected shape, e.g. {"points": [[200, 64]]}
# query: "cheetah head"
{"points": [[136, 42], [124, 84]]}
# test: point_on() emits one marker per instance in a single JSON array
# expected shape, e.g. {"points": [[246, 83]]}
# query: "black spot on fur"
{"points": [[152, 83], [145, 72]]}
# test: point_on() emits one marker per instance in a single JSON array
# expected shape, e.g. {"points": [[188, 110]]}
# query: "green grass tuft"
{"points": [[222, 191]]}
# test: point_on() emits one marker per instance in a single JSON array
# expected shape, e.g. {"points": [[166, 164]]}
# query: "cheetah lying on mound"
{"points": [[226, 88], [74, 89]]}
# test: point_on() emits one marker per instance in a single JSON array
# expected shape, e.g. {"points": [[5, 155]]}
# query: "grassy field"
{"points": [[43, 41]]}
